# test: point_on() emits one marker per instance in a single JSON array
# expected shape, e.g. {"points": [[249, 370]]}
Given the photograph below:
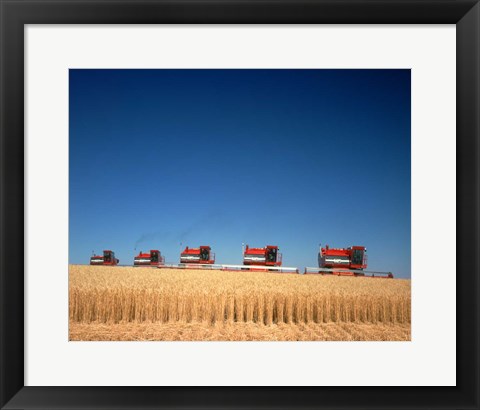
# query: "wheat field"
{"points": [[126, 303]]}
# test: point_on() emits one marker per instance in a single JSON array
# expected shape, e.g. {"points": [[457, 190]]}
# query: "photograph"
{"points": [[239, 205], [195, 190]]}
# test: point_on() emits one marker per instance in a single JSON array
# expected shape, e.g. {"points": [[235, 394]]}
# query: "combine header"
{"points": [[108, 259], [350, 261], [154, 258]]}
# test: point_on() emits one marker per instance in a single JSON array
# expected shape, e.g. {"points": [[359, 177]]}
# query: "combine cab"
{"points": [[199, 256], [154, 258], [261, 257], [108, 259], [350, 261]]}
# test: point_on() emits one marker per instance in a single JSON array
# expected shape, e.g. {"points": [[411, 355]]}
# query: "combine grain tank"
{"points": [[107, 259], [154, 258]]}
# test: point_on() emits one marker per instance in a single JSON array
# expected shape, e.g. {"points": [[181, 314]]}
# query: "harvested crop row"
{"points": [[138, 295], [239, 331]]}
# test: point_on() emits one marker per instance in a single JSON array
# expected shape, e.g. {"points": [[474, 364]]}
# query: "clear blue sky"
{"points": [[292, 158]]}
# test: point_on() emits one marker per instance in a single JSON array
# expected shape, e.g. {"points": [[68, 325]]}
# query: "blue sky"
{"points": [[292, 158]]}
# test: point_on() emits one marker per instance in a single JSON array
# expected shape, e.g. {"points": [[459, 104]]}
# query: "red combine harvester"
{"points": [[267, 256], [255, 259], [108, 259], [154, 258], [200, 256], [350, 261], [353, 258]]}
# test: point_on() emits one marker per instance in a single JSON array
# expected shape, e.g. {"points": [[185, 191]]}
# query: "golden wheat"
{"points": [[144, 295]]}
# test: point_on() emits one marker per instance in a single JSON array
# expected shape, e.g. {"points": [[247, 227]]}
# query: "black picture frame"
{"points": [[15, 14]]}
